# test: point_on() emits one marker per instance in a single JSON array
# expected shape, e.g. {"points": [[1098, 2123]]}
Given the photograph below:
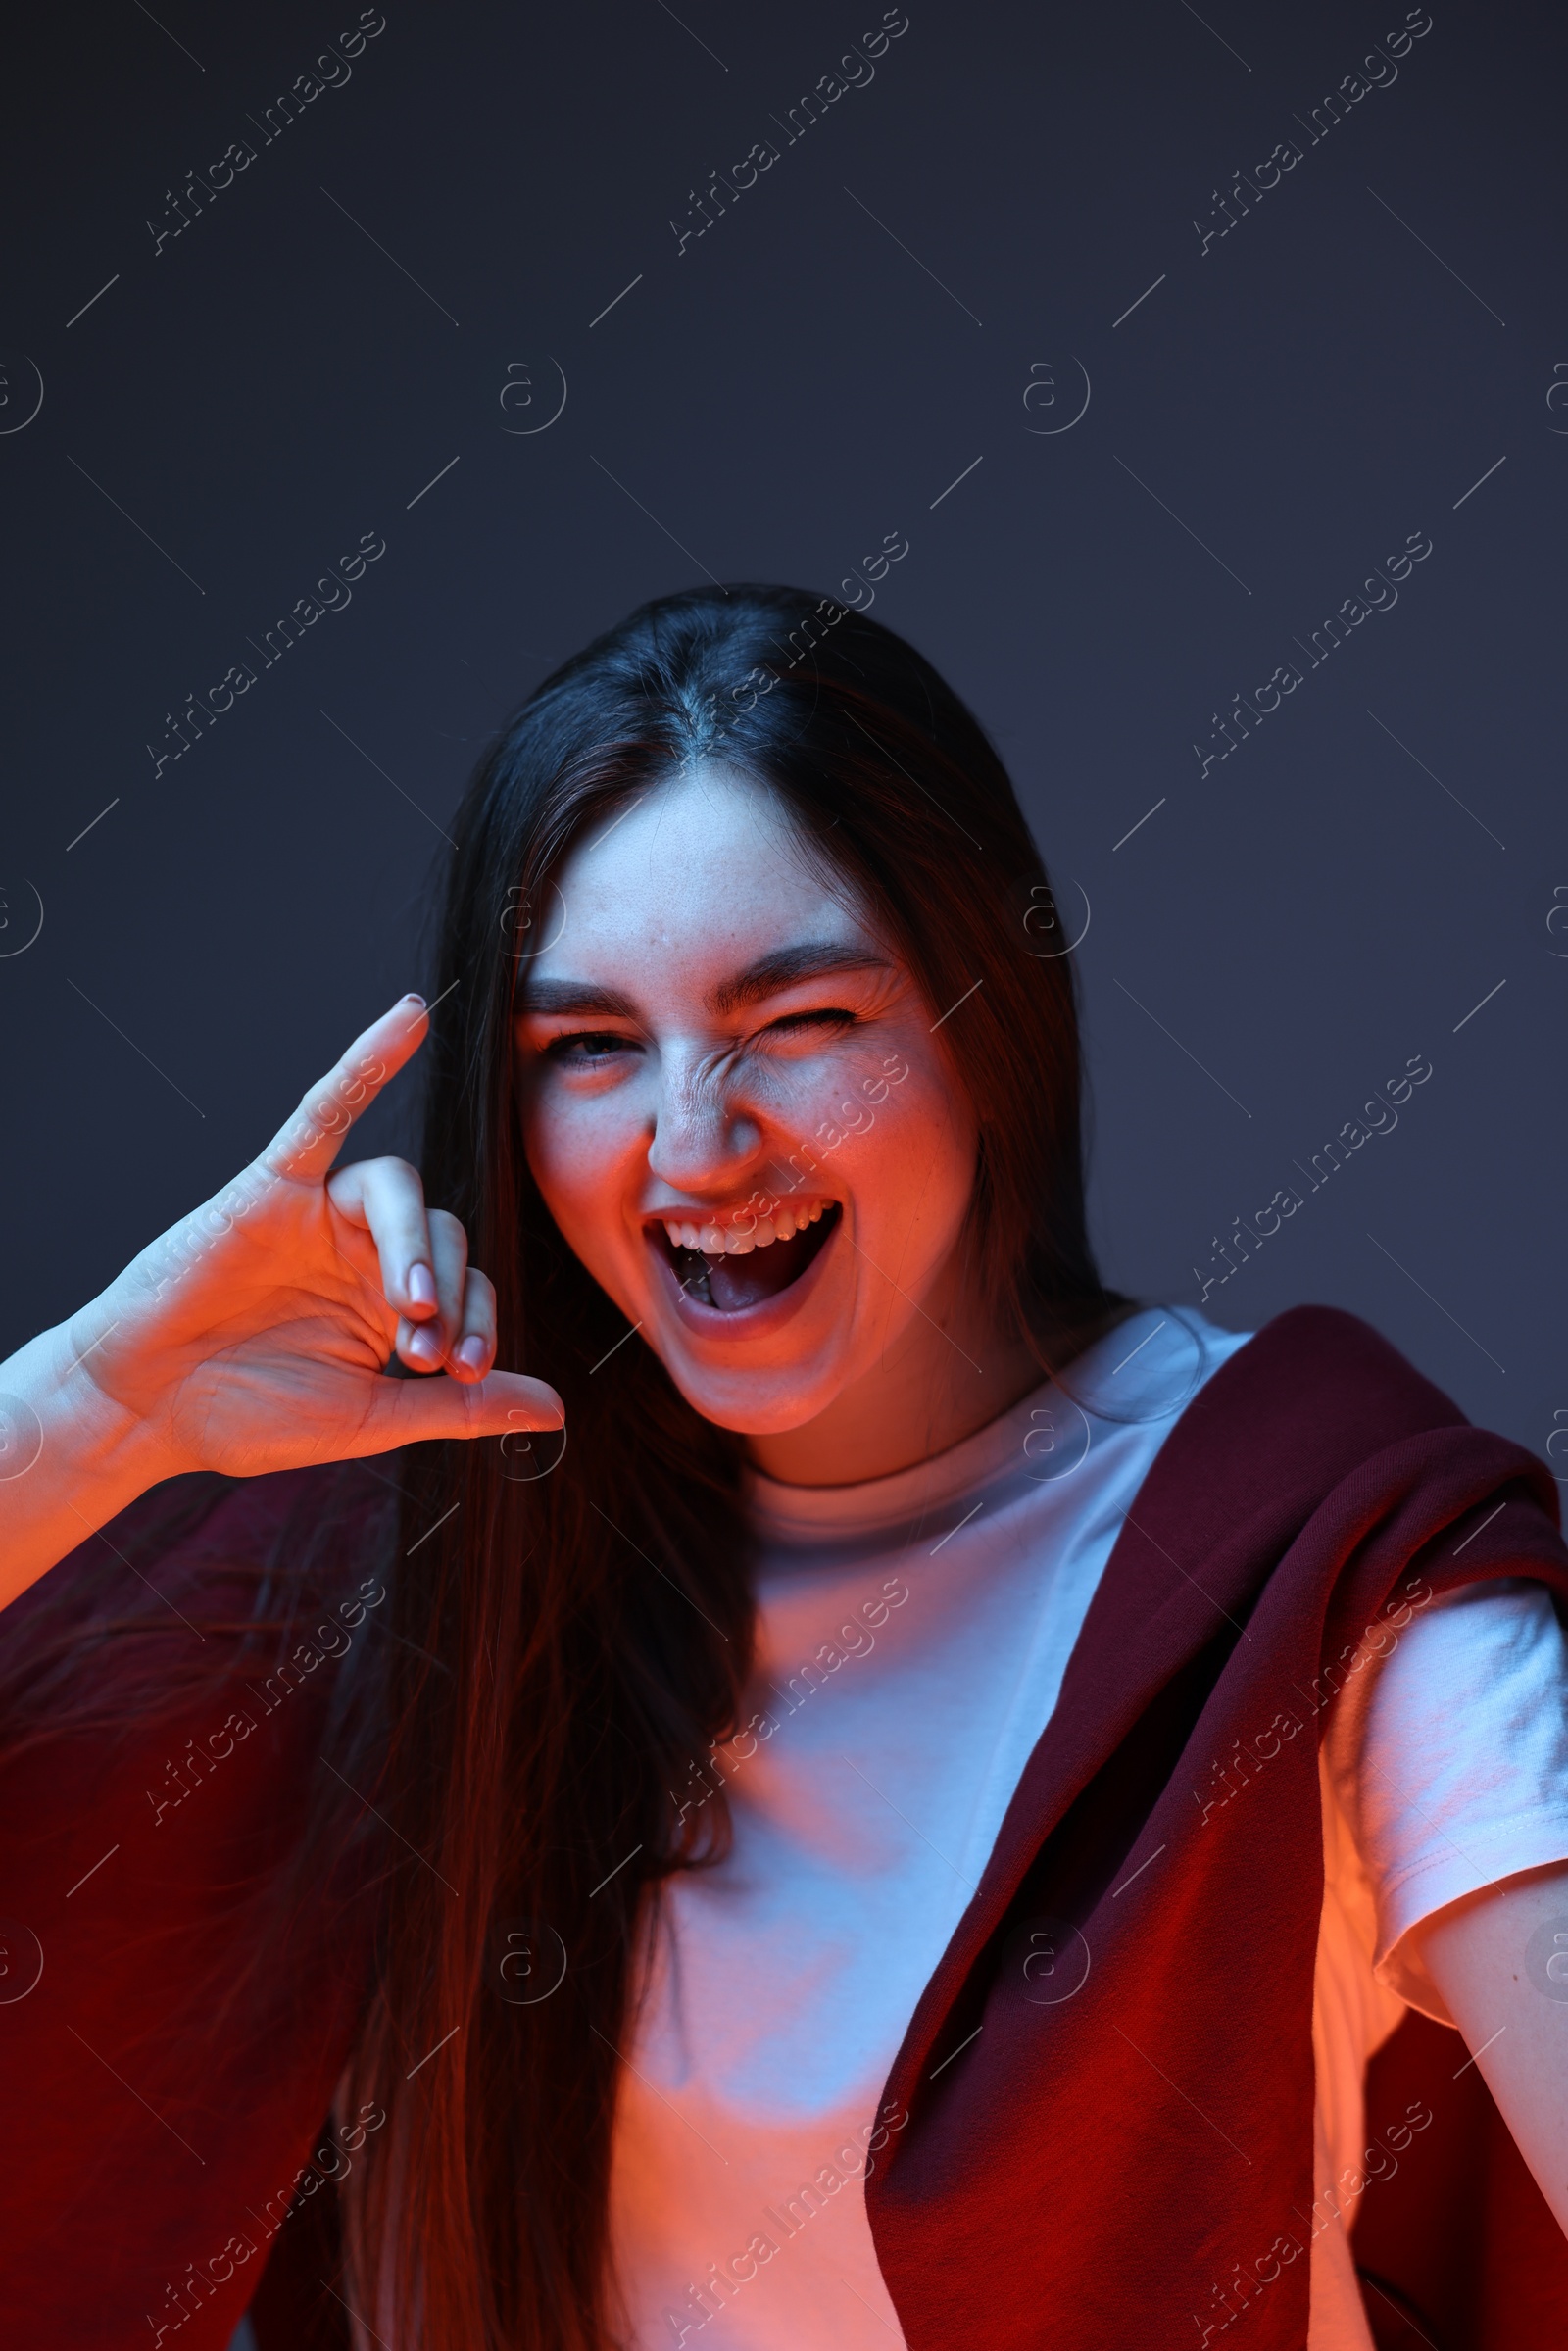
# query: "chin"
{"points": [[758, 1341], [757, 1404]]}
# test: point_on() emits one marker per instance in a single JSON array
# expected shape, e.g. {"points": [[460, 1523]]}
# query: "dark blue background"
{"points": [[1272, 944]]}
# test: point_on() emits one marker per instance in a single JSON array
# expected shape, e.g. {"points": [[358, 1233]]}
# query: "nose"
{"points": [[704, 1141]]}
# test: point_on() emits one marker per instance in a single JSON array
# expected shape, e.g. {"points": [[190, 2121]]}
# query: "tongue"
{"points": [[735, 1283]]}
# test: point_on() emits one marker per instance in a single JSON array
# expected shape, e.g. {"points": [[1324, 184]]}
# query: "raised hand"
{"points": [[253, 1335]]}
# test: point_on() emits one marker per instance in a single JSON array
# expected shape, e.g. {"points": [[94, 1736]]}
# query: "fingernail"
{"points": [[424, 1349], [421, 1286], [412, 999], [472, 1353]]}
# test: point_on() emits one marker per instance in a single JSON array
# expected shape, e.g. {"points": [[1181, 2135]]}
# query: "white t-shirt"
{"points": [[913, 1632]]}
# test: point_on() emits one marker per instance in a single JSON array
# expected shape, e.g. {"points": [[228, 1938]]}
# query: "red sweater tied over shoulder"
{"points": [[1105, 2092]]}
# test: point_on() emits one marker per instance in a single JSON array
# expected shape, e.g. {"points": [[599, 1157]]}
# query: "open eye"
{"points": [[583, 1049]]}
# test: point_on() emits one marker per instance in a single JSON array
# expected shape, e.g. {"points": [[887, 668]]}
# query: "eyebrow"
{"points": [[786, 968], [578, 997], [810, 960]]}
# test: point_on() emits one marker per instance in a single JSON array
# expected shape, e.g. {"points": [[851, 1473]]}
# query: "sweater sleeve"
{"points": [[1449, 1759]]}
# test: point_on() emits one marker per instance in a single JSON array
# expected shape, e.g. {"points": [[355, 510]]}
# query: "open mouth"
{"points": [[744, 1269]]}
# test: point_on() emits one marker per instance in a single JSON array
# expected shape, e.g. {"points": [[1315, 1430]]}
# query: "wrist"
{"points": [[70, 1457], [95, 1436]]}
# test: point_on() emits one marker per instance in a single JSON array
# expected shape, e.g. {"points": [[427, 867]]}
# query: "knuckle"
{"points": [[397, 1176]]}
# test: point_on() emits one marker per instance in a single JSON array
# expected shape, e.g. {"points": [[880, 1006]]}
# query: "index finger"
{"points": [[306, 1144]]}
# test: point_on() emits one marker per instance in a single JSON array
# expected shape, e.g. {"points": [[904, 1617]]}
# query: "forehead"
{"points": [[701, 875]]}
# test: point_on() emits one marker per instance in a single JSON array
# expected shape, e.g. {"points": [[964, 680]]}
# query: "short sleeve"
{"points": [[1449, 1759]]}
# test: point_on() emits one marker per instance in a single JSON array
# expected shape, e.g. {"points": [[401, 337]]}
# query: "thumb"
{"points": [[416, 1411]]}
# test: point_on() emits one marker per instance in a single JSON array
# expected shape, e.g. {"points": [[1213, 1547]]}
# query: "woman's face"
{"points": [[737, 1110]]}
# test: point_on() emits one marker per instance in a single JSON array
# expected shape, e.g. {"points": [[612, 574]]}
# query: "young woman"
{"points": [[822, 1778]]}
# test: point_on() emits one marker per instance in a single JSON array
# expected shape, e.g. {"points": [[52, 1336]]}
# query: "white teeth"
{"points": [[715, 1240]]}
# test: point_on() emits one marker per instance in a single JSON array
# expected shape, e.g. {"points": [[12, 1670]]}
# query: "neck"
{"points": [[948, 1374]]}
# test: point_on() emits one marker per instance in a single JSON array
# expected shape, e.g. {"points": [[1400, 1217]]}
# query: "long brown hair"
{"points": [[576, 1628], [567, 1634]]}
